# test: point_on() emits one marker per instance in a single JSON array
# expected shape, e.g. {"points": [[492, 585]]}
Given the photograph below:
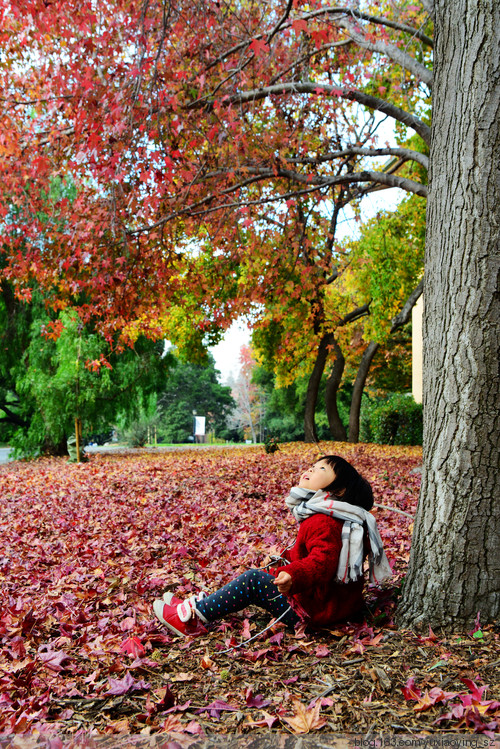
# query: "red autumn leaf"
{"points": [[476, 692], [409, 690], [321, 651], [257, 701], [132, 646], [300, 25], [53, 659], [259, 47]]}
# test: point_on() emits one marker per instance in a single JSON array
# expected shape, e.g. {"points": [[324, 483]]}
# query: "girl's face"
{"points": [[318, 476]]}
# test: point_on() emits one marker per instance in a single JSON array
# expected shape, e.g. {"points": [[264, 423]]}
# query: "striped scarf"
{"points": [[303, 503]]}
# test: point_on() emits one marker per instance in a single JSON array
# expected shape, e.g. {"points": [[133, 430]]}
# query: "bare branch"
{"points": [[376, 20], [355, 314], [429, 7], [395, 53], [389, 180], [310, 87], [281, 21], [402, 317], [405, 154]]}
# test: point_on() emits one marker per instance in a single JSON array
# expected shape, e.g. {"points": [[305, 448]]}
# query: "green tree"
{"points": [[15, 322], [64, 370], [189, 389]]}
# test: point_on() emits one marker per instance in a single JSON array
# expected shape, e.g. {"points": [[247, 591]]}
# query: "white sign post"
{"points": [[199, 428]]}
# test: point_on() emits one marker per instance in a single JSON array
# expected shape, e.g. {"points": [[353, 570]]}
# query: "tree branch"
{"points": [[334, 11], [12, 418], [316, 183], [310, 87], [402, 317], [429, 7], [376, 20], [406, 154], [389, 180], [406, 61], [355, 314], [281, 21]]}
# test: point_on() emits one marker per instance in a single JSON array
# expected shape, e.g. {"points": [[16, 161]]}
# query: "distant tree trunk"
{"points": [[454, 568], [310, 434], [337, 429], [359, 385]]}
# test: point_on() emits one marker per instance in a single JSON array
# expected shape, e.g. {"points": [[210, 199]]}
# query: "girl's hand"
{"points": [[283, 581]]}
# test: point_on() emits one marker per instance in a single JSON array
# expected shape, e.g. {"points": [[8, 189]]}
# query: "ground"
{"points": [[86, 548]]}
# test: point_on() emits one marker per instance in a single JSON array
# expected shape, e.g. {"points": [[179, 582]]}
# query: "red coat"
{"points": [[313, 565]]}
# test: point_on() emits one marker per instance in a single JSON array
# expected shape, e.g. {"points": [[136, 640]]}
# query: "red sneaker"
{"points": [[172, 600], [183, 619]]}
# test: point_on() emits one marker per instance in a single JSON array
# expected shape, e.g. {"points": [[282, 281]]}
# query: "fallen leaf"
{"points": [[304, 719], [127, 684]]}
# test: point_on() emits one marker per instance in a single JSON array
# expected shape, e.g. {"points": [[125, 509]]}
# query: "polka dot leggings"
{"points": [[252, 587]]}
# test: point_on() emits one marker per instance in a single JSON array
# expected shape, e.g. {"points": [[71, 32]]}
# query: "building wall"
{"points": [[417, 349]]}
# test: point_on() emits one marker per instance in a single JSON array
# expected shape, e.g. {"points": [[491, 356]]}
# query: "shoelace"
{"points": [[186, 609]]}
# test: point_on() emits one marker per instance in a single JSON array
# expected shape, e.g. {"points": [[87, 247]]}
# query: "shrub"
{"points": [[394, 420], [271, 445]]}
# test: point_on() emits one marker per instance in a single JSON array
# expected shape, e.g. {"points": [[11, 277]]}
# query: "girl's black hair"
{"points": [[348, 485]]}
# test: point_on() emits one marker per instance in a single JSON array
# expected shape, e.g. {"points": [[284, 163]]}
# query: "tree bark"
{"points": [[359, 385], [337, 429], [310, 434], [454, 568]]}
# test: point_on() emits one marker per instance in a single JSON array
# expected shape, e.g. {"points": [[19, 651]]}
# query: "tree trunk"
{"points": [[454, 568], [310, 434], [337, 429], [359, 386]]}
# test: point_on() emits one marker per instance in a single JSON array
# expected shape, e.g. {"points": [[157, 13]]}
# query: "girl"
{"points": [[320, 578]]}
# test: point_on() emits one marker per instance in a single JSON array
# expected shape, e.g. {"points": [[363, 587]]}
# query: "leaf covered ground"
{"points": [[86, 548]]}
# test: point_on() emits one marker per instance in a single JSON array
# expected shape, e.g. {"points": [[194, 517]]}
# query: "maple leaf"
{"points": [[432, 697], [127, 684], [132, 646], [259, 47], [257, 701], [409, 690], [53, 659], [476, 692], [172, 724], [216, 708], [321, 651], [305, 719], [430, 639], [267, 720]]}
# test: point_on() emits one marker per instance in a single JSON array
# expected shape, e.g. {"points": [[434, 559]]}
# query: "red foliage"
{"points": [[86, 548]]}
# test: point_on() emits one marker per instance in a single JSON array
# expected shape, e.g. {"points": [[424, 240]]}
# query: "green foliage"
{"points": [[284, 407], [136, 430], [391, 369], [386, 262], [192, 388], [393, 420], [74, 374]]}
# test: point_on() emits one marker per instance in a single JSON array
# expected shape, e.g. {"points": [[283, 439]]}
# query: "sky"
{"points": [[227, 352]]}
